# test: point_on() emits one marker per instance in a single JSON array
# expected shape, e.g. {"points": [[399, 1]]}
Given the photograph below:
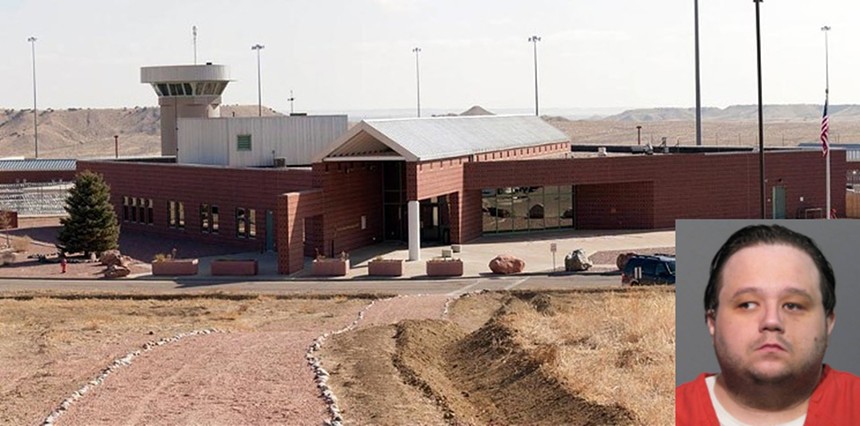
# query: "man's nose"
{"points": [[771, 319]]}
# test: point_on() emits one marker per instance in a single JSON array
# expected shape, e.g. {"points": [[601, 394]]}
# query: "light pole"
{"points": [[291, 99], [825, 120], [534, 39], [258, 48], [638, 135], [194, 32], [698, 85], [417, 50], [32, 41], [760, 106]]}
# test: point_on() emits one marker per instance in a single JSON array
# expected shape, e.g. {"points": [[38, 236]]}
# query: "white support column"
{"points": [[414, 224]]}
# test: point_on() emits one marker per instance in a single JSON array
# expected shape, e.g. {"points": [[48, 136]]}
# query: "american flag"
{"points": [[825, 126]]}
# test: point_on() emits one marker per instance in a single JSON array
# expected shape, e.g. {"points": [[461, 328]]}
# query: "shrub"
{"points": [[21, 244]]}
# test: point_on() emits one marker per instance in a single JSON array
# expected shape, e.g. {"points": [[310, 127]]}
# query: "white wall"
{"points": [[296, 138]]}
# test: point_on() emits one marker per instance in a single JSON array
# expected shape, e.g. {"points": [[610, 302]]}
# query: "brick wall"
{"points": [[293, 211], [627, 205], [717, 186], [17, 176], [350, 190], [521, 153], [227, 188]]}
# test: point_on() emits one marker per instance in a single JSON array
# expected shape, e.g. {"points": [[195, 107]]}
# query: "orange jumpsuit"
{"points": [[835, 401]]}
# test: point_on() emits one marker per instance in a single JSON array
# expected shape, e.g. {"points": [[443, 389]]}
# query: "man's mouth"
{"points": [[771, 347]]}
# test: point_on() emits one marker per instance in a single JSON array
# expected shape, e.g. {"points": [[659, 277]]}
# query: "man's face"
{"points": [[770, 324]]}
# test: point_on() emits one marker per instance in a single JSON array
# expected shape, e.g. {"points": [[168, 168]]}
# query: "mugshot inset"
{"points": [[756, 323]]}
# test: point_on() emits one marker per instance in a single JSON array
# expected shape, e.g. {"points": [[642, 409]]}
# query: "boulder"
{"points": [[116, 271], [507, 264], [7, 257], [577, 261], [111, 257], [536, 211]]}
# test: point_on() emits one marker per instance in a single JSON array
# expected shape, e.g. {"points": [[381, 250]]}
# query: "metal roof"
{"points": [[184, 73], [423, 139], [37, 164]]}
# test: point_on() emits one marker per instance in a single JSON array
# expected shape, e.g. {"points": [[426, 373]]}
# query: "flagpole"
{"points": [[826, 101]]}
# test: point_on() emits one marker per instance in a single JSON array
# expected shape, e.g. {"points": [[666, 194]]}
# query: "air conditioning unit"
{"points": [[280, 162]]}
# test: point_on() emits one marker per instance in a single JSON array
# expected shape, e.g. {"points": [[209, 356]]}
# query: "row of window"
{"points": [[527, 208], [186, 89], [139, 210]]}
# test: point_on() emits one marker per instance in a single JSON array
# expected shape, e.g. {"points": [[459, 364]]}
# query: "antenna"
{"points": [[194, 31], [291, 99]]}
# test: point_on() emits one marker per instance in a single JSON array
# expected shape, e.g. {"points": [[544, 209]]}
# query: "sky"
{"points": [[347, 55]]}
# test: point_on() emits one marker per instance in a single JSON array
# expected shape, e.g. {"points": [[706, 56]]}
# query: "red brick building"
{"points": [[36, 171], [451, 180]]}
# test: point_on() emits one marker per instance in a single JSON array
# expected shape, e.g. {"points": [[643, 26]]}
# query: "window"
{"points": [[176, 214], [137, 210], [204, 218], [527, 208], [246, 223], [181, 210], [141, 209], [149, 211], [209, 218], [243, 142], [171, 214], [240, 222], [214, 217]]}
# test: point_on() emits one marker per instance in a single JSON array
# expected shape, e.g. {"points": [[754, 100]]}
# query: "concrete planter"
{"points": [[234, 267], [385, 267], [444, 268], [329, 267], [175, 267]]}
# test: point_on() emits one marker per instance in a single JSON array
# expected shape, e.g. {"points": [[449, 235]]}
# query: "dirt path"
{"points": [[394, 310], [238, 377], [221, 378]]}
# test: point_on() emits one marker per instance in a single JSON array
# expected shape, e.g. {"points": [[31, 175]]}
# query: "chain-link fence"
{"points": [[35, 199]]}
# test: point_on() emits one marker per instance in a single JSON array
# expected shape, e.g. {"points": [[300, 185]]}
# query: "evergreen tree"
{"points": [[91, 226]]}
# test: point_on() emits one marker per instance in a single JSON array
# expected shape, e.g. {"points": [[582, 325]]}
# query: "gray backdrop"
{"points": [[696, 243]]}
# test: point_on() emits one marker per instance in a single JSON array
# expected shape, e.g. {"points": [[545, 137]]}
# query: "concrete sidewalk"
{"points": [[534, 249]]}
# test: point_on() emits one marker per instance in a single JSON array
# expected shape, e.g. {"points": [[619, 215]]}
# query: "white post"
{"points": [[828, 184], [413, 220]]}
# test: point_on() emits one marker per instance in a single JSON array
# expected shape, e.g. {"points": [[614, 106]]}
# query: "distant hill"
{"points": [[89, 133], [772, 113]]}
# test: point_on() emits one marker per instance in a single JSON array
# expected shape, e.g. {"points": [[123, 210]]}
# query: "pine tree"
{"points": [[91, 226]]}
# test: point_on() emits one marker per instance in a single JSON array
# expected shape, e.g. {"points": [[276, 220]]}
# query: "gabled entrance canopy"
{"points": [[434, 138]]}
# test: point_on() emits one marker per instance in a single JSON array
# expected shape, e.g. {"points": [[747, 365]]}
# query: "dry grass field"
{"points": [[581, 357], [585, 357]]}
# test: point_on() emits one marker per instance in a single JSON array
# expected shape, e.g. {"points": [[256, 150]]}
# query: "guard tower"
{"points": [[186, 91]]}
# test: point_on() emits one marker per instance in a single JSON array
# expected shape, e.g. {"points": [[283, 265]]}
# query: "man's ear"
{"points": [[830, 321], [711, 318]]}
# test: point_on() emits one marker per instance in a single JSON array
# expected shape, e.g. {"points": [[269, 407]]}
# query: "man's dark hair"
{"points": [[770, 234]]}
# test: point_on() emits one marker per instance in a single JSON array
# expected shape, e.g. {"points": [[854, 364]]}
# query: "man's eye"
{"points": [[793, 306], [747, 305]]}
